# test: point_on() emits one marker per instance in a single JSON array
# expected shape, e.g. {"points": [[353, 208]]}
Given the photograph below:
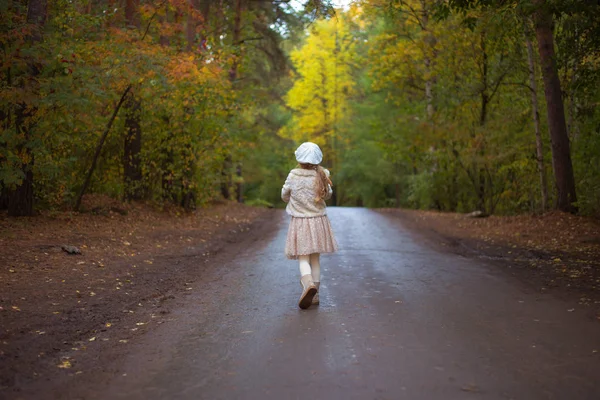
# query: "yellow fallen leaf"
{"points": [[65, 364], [92, 339]]}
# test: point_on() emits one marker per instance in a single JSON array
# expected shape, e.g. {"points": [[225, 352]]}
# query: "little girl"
{"points": [[305, 190]]}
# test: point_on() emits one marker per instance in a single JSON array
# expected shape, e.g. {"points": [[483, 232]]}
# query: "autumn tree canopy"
{"points": [[454, 106]]}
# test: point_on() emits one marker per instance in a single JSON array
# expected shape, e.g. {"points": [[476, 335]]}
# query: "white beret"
{"points": [[309, 153]]}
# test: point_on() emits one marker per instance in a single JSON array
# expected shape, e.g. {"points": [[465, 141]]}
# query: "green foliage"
{"points": [[414, 105], [440, 111], [192, 117]]}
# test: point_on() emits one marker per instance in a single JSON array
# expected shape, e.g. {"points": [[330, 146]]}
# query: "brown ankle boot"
{"points": [[315, 300], [308, 292]]}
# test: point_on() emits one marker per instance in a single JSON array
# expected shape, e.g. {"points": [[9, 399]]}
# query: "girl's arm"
{"points": [[329, 188], [329, 193], [286, 191]]}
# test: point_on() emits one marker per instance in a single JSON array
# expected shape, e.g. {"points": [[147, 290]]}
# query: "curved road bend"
{"points": [[397, 320]]}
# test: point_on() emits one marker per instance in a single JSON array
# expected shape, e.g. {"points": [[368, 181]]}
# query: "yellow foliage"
{"points": [[323, 84]]}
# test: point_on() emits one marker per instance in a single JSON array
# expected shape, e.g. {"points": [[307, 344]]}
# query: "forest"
{"points": [[452, 105]]}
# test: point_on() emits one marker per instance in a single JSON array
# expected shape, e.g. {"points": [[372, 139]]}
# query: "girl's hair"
{"points": [[321, 181]]}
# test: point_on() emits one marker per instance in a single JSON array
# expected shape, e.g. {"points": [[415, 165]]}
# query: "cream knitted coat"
{"points": [[299, 192]]}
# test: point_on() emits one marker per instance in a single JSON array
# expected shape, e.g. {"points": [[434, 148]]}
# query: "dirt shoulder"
{"points": [[555, 253], [60, 312]]}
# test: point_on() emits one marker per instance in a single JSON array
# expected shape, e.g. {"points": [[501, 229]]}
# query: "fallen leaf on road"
{"points": [[470, 388]]}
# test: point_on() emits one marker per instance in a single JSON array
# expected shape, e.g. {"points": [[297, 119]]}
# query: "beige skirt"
{"points": [[309, 235]]}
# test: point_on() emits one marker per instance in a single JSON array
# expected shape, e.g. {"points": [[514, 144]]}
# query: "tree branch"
{"points": [[99, 148]]}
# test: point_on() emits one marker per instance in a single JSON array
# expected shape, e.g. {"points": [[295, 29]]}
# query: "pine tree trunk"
{"points": [[561, 152], [536, 119]]}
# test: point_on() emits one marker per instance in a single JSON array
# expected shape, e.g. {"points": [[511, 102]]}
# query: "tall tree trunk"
{"points": [[132, 167], [190, 28], [226, 178], [20, 200], [561, 152], [233, 74], [132, 17], [237, 32], [485, 101], [240, 183], [536, 118], [430, 41], [205, 10], [167, 162], [164, 40], [132, 144], [193, 20]]}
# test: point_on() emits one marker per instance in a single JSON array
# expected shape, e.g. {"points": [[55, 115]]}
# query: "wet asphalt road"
{"points": [[397, 320]]}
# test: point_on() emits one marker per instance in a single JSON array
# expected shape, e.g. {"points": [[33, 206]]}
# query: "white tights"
{"points": [[310, 265]]}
